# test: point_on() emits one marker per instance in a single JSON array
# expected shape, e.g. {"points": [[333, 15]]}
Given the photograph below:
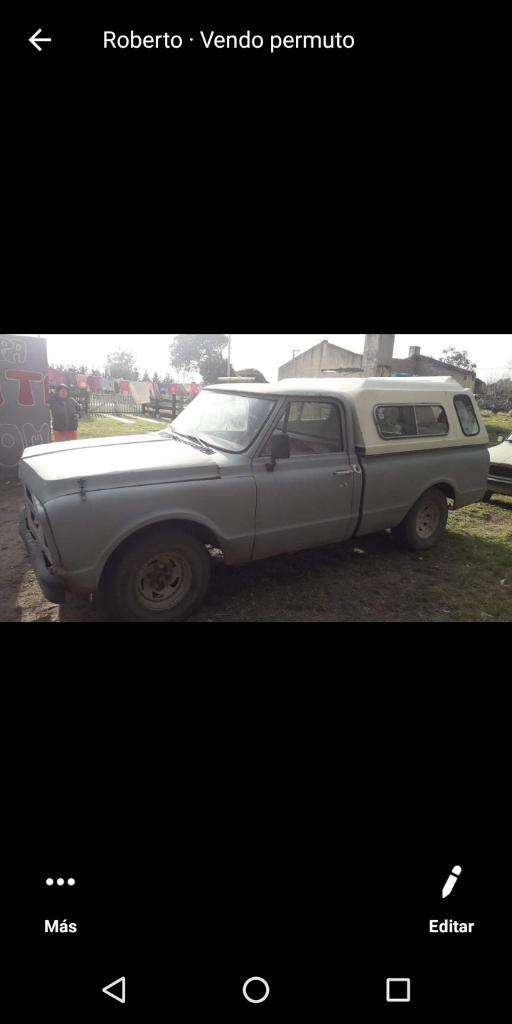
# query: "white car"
{"points": [[500, 470]]}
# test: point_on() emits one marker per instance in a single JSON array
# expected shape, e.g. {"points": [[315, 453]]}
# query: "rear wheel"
{"points": [[160, 576], [425, 523]]}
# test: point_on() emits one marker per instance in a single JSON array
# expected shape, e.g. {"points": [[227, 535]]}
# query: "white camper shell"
{"points": [[370, 395]]}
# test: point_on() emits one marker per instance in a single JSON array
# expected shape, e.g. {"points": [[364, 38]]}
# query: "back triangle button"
{"points": [[120, 985]]}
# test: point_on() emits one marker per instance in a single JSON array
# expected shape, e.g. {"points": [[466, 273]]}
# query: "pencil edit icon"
{"points": [[451, 880]]}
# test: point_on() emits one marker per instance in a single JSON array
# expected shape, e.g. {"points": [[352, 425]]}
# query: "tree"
{"points": [[146, 378], [257, 374], [122, 364], [458, 358], [202, 353]]}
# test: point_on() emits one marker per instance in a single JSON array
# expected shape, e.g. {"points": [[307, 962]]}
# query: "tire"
{"points": [[487, 496], [160, 576], [425, 524]]}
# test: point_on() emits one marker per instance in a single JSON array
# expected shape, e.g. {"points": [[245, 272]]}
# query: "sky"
{"points": [[491, 352]]}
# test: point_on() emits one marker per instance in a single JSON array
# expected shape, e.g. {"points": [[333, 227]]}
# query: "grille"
{"points": [[501, 469]]}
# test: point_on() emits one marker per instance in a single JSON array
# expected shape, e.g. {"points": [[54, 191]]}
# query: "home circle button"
{"points": [[256, 990]]}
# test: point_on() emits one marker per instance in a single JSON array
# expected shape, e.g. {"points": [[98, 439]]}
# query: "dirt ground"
{"points": [[467, 577]]}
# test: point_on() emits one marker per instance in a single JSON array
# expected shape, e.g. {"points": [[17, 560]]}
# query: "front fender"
{"points": [[89, 530]]}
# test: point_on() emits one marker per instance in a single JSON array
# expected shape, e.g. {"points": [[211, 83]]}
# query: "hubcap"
{"points": [[164, 581], [428, 521]]}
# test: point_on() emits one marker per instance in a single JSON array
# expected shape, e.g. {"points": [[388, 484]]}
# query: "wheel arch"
{"points": [[447, 489], [203, 533], [444, 486]]}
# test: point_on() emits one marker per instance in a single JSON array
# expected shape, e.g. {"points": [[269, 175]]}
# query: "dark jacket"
{"points": [[65, 413]]}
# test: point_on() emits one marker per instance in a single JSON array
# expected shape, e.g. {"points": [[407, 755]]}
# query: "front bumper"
{"points": [[499, 485], [51, 587]]}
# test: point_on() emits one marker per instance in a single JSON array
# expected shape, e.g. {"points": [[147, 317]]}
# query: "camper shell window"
{"points": [[411, 421], [467, 417]]}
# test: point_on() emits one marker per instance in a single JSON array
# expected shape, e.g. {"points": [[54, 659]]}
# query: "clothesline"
{"points": [[141, 391]]}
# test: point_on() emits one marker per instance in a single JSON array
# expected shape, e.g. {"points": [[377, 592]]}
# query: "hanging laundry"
{"points": [[81, 381], [56, 377], [124, 387], [94, 384], [176, 389], [140, 391]]}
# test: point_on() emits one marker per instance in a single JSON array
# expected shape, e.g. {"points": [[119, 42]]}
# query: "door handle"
{"points": [[342, 472]]}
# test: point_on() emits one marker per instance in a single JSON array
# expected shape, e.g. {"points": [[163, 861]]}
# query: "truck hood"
{"points": [[52, 470], [502, 453]]}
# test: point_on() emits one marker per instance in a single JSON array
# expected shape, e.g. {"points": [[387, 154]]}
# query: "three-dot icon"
{"points": [[60, 881]]}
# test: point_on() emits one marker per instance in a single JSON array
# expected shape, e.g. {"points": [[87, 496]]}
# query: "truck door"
{"points": [[308, 499]]}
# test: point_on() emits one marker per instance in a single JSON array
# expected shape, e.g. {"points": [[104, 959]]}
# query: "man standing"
{"points": [[65, 415]]}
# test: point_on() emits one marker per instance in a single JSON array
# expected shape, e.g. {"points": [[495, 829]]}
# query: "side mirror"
{"points": [[280, 449]]}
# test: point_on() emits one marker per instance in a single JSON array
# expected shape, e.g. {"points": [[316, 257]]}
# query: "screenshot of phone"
{"points": [[179, 167]]}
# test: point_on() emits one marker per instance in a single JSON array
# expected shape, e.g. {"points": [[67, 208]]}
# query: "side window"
{"points": [[431, 420], [411, 420], [314, 428], [466, 413], [396, 420]]}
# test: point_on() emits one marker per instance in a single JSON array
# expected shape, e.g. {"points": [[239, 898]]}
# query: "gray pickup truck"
{"points": [[255, 471]]}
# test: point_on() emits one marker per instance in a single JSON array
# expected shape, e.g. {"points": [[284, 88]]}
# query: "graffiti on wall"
{"points": [[24, 398]]}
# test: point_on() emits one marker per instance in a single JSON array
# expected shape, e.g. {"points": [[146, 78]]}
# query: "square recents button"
{"points": [[398, 990]]}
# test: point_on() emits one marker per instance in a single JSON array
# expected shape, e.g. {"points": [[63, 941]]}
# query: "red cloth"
{"points": [[64, 435], [56, 377], [94, 384], [81, 380], [124, 387]]}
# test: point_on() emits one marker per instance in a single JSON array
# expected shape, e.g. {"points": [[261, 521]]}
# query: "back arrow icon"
{"points": [[108, 990], [36, 39]]}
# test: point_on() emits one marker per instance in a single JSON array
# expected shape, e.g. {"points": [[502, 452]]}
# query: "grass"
{"points": [[479, 573], [103, 426], [499, 420], [499, 425]]}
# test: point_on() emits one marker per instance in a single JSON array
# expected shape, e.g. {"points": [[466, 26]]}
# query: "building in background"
{"points": [[376, 360], [418, 365], [316, 360]]}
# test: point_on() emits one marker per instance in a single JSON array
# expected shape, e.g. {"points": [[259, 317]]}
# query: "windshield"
{"points": [[227, 421]]}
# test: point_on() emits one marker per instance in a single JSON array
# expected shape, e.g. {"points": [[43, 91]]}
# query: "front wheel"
{"points": [[426, 522], [160, 576]]}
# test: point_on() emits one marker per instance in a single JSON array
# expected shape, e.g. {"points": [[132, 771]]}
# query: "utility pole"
{"points": [[229, 355]]}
